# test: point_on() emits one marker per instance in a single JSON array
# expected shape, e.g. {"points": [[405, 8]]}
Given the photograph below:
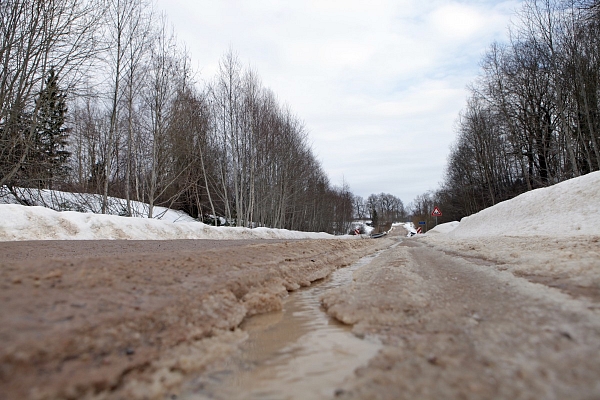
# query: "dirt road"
{"points": [[136, 320], [456, 327]]}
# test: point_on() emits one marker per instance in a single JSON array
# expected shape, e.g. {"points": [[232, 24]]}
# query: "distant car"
{"points": [[378, 235]]}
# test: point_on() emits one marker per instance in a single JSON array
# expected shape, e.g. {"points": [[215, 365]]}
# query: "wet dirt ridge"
{"points": [[132, 320], [298, 353]]}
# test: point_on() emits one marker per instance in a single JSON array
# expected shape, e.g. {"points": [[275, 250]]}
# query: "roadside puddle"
{"points": [[298, 353]]}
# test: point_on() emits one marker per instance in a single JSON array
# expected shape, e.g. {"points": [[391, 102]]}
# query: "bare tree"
{"points": [[127, 31], [532, 119]]}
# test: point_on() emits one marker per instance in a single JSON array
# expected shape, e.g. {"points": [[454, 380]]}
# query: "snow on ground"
{"points": [[38, 223], [364, 225], [444, 228], [568, 208], [49, 220], [87, 202]]}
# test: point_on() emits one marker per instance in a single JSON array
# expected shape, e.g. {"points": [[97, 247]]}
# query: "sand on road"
{"points": [[503, 318]]}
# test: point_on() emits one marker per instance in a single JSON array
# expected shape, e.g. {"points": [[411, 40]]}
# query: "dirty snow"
{"points": [[503, 304], [130, 320], [458, 327]]}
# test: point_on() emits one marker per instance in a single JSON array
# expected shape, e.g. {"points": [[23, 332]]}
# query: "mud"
{"points": [[299, 353], [130, 320], [502, 318], [455, 329]]}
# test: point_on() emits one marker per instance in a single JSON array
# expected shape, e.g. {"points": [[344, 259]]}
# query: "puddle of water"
{"points": [[298, 353]]}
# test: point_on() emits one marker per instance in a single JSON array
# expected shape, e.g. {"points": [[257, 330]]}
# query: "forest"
{"points": [[532, 118], [99, 96]]}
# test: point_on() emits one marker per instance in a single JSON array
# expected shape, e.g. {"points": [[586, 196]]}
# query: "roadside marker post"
{"points": [[436, 213]]}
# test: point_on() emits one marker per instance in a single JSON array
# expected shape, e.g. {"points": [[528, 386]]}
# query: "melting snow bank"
{"points": [[568, 208], [38, 223], [445, 228]]}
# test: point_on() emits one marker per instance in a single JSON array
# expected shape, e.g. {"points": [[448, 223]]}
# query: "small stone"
{"points": [[566, 335], [432, 359]]}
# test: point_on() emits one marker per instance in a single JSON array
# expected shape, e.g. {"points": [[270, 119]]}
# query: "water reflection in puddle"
{"points": [[299, 353]]}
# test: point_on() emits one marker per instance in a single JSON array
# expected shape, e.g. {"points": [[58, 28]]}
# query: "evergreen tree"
{"points": [[51, 138], [374, 219], [14, 132]]}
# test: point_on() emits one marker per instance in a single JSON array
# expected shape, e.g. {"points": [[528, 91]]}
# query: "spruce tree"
{"points": [[51, 137], [375, 220]]}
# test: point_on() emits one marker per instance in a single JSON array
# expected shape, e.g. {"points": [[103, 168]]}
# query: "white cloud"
{"points": [[457, 22]]}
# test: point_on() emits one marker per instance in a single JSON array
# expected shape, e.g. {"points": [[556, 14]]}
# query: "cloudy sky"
{"points": [[378, 84]]}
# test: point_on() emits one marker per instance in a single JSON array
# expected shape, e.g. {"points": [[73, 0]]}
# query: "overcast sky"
{"points": [[379, 84]]}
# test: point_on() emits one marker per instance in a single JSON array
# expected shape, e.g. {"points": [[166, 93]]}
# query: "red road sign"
{"points": [[436, 212]]}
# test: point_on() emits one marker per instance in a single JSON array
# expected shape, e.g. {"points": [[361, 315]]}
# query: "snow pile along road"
{"points": [[568, 208], [38, 223], [444, 228], [88, 203]]}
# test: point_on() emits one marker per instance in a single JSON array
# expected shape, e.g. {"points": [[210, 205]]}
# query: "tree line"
{"points": [[532, 118], [99, 96], [382, 207]]}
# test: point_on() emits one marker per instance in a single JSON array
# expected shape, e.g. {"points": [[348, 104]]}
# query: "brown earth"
{"points": [[457, 326], [507, 318], [132, 319]]}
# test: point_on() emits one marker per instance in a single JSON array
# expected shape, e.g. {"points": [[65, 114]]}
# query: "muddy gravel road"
{"points": [[131, 319], [174, 319], [456, 327]]}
